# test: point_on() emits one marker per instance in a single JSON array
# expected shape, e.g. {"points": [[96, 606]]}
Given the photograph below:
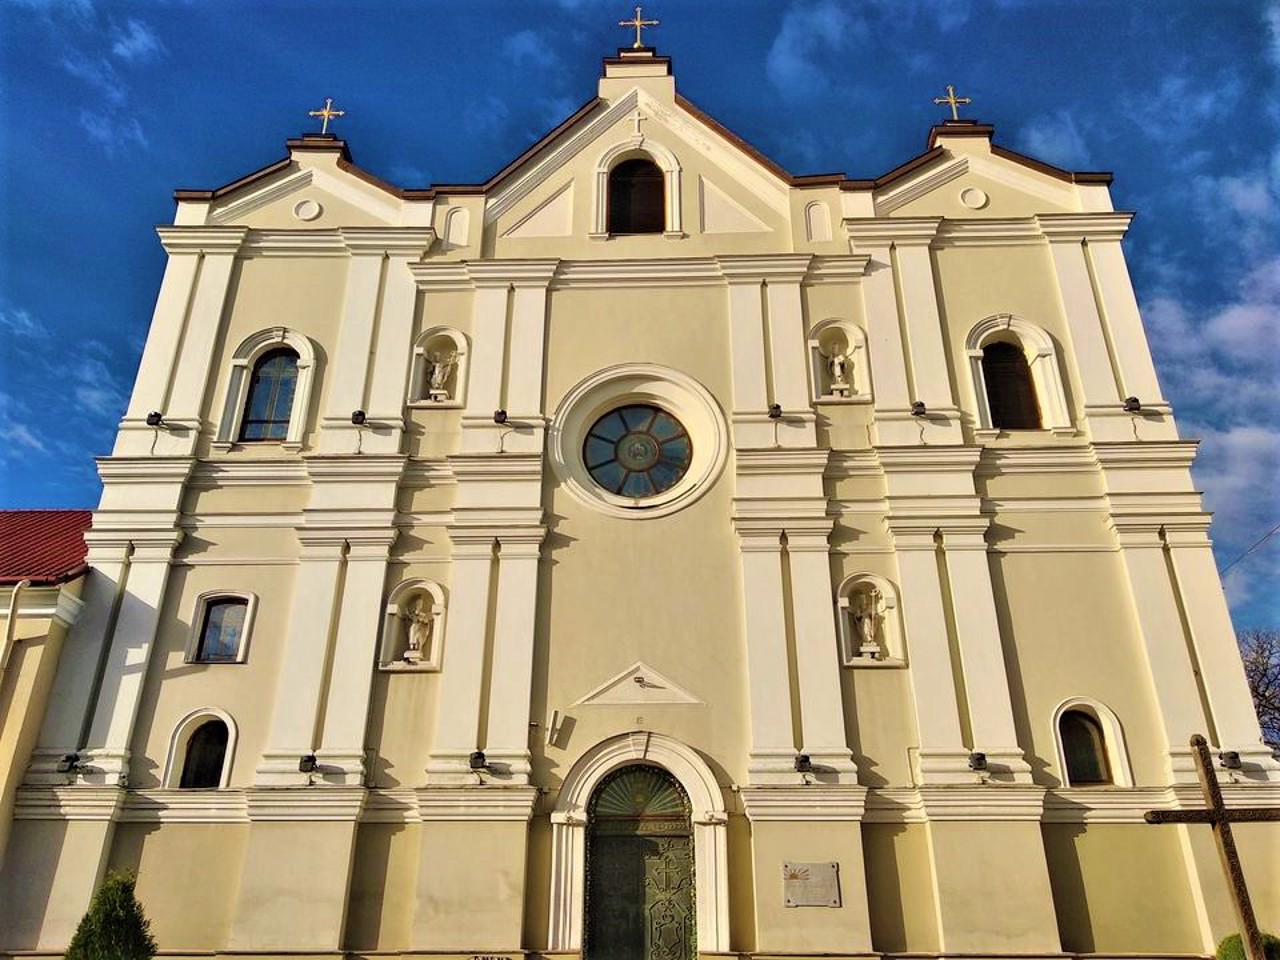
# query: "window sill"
{"points": [[435, 404], [986, 434], [834, 401], [229, 446], [866, 663], [400, 666]]}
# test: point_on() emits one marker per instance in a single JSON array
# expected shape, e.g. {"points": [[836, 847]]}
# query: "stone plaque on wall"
{"points": [[811, 884]]}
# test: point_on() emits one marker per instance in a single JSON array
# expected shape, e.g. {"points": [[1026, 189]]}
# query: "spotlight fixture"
{"points": [[918, 409], [499, 416], [775, 411], [358, 417], [308, 764], [478, 761], [1230, 759], [803, 763], [1132, 405], [69, 763], [155, 419], [977, 761]]}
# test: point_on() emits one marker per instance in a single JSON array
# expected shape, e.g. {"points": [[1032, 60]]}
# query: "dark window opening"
{"points": [[222, 630], [270, 401], [206, 752], [1011, 395], [1084, 749], [637, 198]]}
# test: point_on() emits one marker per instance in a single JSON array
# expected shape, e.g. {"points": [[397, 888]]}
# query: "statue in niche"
{"points": [[839, 367], [835, 350], [440, 364], [419, 621], [868, 618]]}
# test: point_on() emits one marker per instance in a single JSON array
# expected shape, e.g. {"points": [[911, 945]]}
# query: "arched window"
{"points": [[637, 203], [1011, 396], [206, 753], [1084, 749], [270, 400], [222, 630]]}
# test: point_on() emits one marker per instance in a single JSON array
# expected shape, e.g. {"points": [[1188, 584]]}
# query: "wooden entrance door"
{"points": [[640, 881]]}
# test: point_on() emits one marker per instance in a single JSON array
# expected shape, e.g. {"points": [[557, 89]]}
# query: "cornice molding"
{"points": [[1024, 460], [807, 802], [1073, 227], [202, 239]]}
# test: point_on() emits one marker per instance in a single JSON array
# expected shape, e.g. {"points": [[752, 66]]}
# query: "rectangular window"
{"points": [[222, 630]]}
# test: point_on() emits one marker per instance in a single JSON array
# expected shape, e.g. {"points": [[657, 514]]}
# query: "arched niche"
{"points": [[870, 622], [710, 834], [181, 738], [1042, 361], [1112, 737], [242, 364], [638, 147], [817, 222], [413, 627], [839, 366], [457, 228], [440, 368]]}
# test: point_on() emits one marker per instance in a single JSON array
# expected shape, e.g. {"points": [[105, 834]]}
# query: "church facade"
{"points": [[646, 553]]}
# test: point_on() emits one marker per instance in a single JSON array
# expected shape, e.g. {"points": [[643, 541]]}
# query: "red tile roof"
{"points": [[43, 546]]}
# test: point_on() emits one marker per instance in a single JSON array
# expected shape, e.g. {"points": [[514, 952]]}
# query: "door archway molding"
{"points": [[710, 834]]}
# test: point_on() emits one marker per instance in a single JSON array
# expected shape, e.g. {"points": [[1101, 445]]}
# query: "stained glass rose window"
{"points": [[637, 451]]}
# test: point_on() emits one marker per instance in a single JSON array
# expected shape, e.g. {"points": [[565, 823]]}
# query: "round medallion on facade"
{"points": [[973, 198], [637, 451], [307, 209]]}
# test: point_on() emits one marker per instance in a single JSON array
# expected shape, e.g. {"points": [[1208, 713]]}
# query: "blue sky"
{"points": [[106, 107]]}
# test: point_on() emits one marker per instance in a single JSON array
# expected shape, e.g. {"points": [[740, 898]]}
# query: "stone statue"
{"points": [[419, 622], [868, 616], [440, 365], [838, 365]]}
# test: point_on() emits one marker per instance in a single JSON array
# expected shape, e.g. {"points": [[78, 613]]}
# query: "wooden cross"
{"points": [[639, 24], [638, 118], [1221, 819], [328, 113], [953, 101]]}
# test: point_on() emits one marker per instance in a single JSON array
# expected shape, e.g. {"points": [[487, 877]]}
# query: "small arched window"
{"points": [[637, 201], [1084, 749], [206, 753], [1011, 395], [222, 630], [270, 400]]}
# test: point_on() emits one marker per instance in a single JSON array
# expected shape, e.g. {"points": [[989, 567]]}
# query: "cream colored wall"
{"points": [[1005, 201], [1121, 888], [1056, 643], [384, 884], [244, 690], [303, 294], [900, 887], [188, 876]]}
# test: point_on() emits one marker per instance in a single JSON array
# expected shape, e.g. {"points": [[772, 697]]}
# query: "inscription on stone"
{"points": [[811, 884]]}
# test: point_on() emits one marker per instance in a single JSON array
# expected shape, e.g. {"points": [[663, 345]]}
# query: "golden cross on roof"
{"points": [[952, 100], [639, 24], [328, 113]]}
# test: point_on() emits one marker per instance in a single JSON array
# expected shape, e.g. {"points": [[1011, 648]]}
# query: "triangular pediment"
{"points": [[637, 684], [975, 183], [552, 217], [307, 196]]}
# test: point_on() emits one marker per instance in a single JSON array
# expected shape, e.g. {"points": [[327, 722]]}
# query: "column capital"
{"points": [[512, 273], [198, 240], [755, 268], [410, 242], [879, 232], [808, 802], [1075, 227]]}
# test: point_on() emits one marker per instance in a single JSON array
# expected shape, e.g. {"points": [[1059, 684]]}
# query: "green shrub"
{"points": [[114, 928], [1232, 948]]}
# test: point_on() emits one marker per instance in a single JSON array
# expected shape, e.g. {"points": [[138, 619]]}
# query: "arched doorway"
{"points": [[640, 869]]}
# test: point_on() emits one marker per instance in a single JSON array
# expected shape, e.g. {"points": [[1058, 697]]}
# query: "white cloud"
{"points": [[1184, 104], [95, 388], [811, 34], [136, 42], [19, 323], [97, 73], [1057, 139], [80, 9], [112, 131], [20, 435], [488, 117], [528, 46]]}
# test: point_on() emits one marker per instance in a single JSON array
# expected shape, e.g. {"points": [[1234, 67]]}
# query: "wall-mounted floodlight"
{"points": [[775, 411], [358, 417], [1132, 405], [1230, 759], [918, 409], [499, 416], [69, 763], [977, 761], [308, 764], [155, 419], [478, 761], [803, 763]]}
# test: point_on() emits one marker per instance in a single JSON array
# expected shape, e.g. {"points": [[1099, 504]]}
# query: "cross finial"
{"points": [[953, 101], [639, 24], [327, 114]]}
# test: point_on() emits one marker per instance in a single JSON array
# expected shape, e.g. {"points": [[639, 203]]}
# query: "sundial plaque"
{"points": [[811, 884]]}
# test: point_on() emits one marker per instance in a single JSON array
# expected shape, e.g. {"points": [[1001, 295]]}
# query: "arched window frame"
{"points": [[181, 737], [858, 373], [1042, 360], [638, 147], [1112, 738], [392, 646], [817, 221], [242, 364], [197, 623], [895, 650], [419, 395]]}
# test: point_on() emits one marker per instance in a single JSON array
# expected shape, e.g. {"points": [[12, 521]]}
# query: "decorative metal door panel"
{"points": [[640, 879]]}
